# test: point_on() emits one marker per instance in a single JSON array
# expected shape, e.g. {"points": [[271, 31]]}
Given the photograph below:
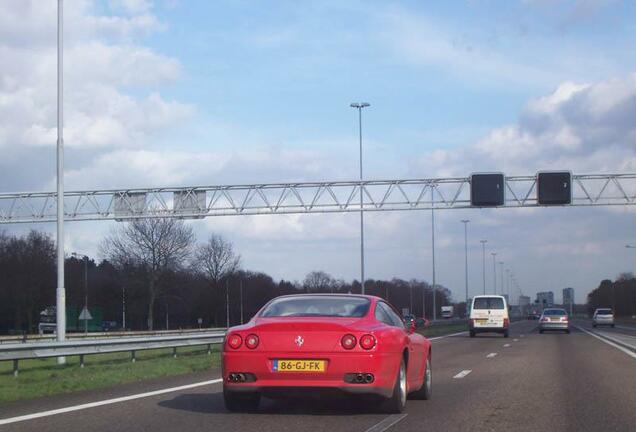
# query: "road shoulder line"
{"points": [[105, 402], [610, 341], [387, 423]]}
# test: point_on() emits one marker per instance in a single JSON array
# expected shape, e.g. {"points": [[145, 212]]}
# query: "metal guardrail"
{"points": [[34, 350], [97, 335]]}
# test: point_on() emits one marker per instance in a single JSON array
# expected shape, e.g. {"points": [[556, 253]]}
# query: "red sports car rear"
{"points": [[314, 342]]}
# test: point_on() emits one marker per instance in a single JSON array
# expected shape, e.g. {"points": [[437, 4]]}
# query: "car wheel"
{"points": [[594, 325], [396, 403], [472, 333], [612, 325], [505, 333], [425, 391], [567, 331], [541, 331], [241, 402]]}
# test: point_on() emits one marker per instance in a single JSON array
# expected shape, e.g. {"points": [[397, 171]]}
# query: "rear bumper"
{"points": [[603, 322], [554, 326], [384, 368], [488, 329]]}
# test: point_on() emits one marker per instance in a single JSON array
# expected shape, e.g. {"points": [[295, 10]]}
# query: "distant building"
{"points": [[524, 305], [568, 296], [545, 299]]}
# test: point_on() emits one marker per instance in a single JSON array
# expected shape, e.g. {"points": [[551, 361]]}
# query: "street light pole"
{"points": [[483, 247], [433, 250], [494, 271], [501, 271], [60, 294], [241, 294], [359, 107], [465, 222]]}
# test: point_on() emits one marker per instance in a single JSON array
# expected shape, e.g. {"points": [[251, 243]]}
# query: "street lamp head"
{"points": [[494, 254], [465, 220], [359, 105], [483, 241]]}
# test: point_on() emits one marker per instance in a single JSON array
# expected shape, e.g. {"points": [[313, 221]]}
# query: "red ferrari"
{"points": [[310, 343]]}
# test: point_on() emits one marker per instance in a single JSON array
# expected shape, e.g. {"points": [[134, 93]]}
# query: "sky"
{"points": [[183, 93]]}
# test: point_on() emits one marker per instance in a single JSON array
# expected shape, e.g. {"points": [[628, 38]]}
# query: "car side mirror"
{"points": [[411, 327]]}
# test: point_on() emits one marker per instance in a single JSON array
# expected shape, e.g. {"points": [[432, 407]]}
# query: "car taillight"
{"points": [[471, 322], [367, 341], [545, 319], [506, 322], [564, 318], [348, 341], [235, 341], [251, 341]]}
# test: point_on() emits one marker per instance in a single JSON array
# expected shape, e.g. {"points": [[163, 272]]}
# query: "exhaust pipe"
{"points": [[359, 378], [232, 377], [368, 378], [240, 377]]}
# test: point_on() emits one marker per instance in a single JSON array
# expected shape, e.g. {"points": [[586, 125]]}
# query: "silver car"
{"points": [[554, 319], [603, 316]]}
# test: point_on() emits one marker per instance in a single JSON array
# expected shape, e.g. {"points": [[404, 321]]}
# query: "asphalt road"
{"points": [[530, 381]]}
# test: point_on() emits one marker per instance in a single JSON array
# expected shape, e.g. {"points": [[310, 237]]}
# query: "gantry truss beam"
{"points": [[307, 197]]}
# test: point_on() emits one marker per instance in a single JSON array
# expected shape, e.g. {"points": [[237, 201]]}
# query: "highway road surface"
{"points": [[529, 382]]}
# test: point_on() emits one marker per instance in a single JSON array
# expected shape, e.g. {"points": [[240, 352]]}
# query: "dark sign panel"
{"points": [[554, 188], [487, 190]]}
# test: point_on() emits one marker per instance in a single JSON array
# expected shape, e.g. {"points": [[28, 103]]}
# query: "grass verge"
{"points": [[43, 377], [443, 329]]}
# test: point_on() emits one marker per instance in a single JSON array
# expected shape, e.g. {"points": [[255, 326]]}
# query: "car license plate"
{"points": [[295, 365], [481, 321]]}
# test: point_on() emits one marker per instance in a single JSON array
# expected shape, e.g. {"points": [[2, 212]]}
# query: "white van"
{"points": [[488, 314]]}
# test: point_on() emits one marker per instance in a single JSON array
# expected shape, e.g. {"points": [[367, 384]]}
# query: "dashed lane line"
{"points": [[387, 423], [506, 345], [106, 402], [491, 355], [462, 374]]}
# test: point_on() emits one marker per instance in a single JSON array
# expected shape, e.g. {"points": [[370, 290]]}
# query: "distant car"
{"points": [[489, 314], [554, 319], [309, 343], [534, 316], [603, 316], [419, 322]]}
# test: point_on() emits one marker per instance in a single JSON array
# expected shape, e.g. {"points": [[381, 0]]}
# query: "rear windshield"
{"points": [[488, 303], [604, 312], [556, 312], [317, 306]]}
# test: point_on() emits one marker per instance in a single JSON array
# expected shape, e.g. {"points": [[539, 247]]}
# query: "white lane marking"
{"points": [[448, 335], [387, 423], [105, 402], [491, 355], [506, 345], [522, 336], [618, 347], [462, 374], [515, 340]]}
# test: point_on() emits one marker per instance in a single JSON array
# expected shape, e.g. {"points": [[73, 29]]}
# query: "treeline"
{"points": [[163, 278], [620, 295]]}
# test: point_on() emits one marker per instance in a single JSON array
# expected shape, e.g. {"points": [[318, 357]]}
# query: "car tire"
{"points": [[241, 402], [567, 331], [505, 333], [472, 333], [612, 325], [594, 325], [541, 331], [425, 391], [397, 402]]}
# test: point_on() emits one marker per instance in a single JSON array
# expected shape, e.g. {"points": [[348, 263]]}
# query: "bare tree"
{"points": [[216, 259], [319, 281], [155, 245]]}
